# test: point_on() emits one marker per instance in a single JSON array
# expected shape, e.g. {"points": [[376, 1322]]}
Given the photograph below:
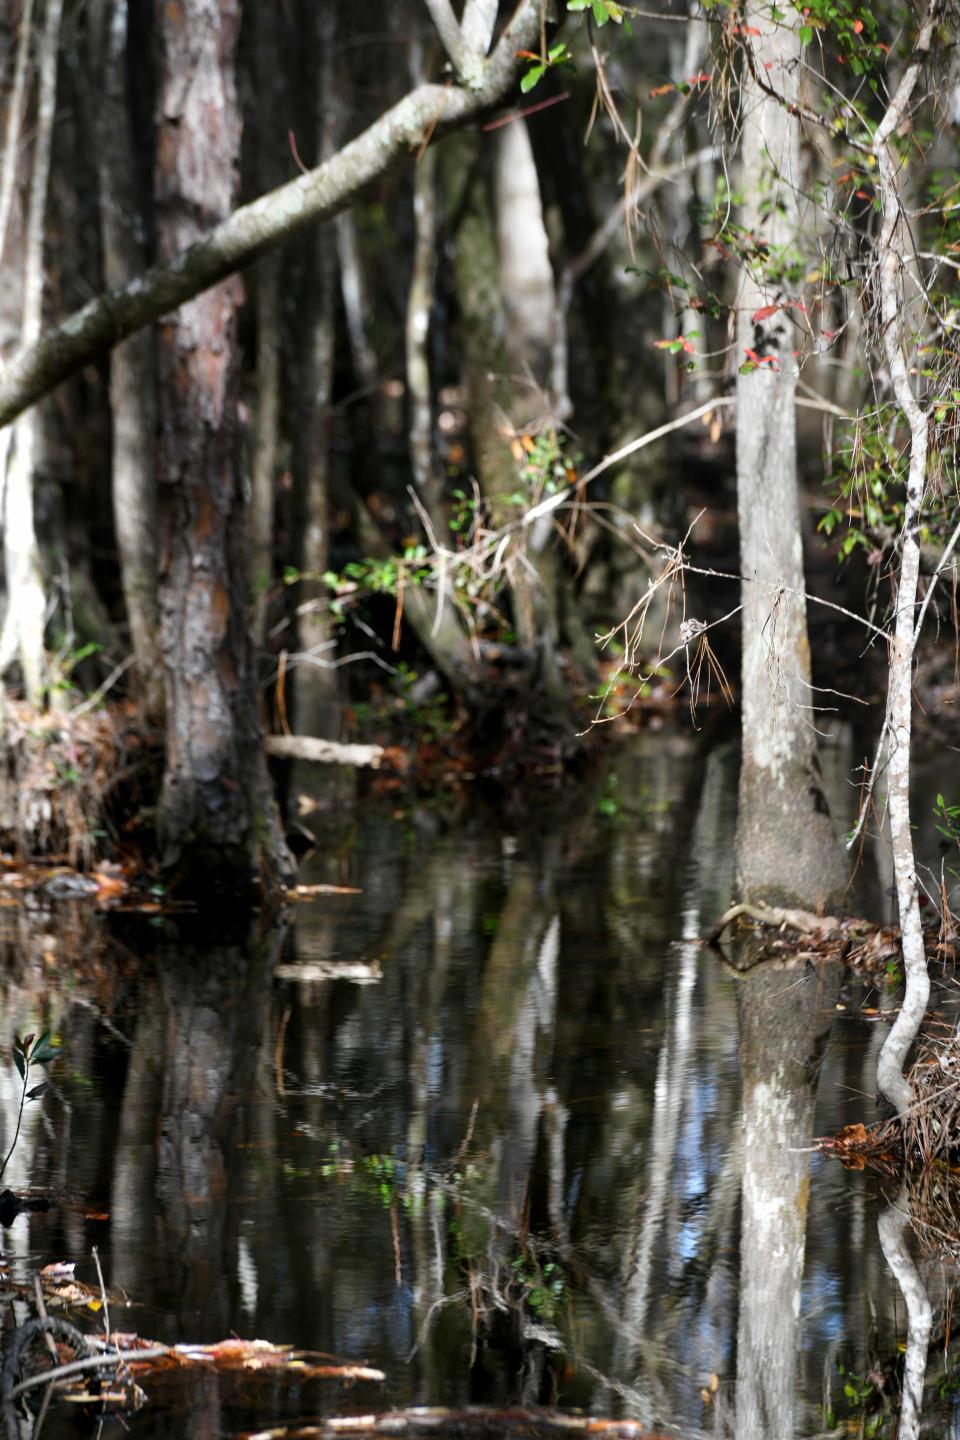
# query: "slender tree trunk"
{"points": [[26, 600], [419, 301], [894, 246], [785, 844], [132, 364], [267, 304], [11, 138], [315, 684], [217, 809]]}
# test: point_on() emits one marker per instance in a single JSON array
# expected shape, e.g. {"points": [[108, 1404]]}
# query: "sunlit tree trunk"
{"points": [[785, 843], [217, 809], [26, 598], [15, 110], [132, 364]]}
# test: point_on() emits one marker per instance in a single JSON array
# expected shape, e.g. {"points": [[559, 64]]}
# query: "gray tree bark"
{"points": [[786, 848]]}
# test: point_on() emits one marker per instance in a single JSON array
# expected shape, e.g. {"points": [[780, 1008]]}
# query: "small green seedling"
{"points": [[28, 1052]]}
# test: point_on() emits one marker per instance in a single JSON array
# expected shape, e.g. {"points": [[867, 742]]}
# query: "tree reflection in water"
{"points": [[498, 1125], [785, 1016]]}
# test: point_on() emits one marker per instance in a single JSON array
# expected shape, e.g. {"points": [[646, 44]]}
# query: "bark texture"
{"points": [[786, 848], [217, 811]]}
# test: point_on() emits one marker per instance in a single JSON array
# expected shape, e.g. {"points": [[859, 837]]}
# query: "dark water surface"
{"points": [[481, 1125]]}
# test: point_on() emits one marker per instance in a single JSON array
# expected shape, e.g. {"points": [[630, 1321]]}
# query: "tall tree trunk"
{"points": [[315, 684], [26, 600], [132, 364], [267, 304], [785, 843], [217, 809], [11, 136]]}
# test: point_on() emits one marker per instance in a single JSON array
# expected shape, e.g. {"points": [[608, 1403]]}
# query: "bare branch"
{"points": [[447, 27], [479, 19]]}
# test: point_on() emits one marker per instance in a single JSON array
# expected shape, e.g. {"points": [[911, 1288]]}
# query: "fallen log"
{"points": [[323, 752]]}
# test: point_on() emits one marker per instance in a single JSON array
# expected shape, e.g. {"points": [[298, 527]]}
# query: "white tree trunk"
{"points": [[26, 599], [11, 139], [893, 247], [785, 842]]}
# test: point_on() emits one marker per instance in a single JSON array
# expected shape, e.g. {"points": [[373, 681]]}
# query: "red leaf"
{"points": [[688, 348], [663, 344], [857, 26], [661, 90], [764, 313], [751, 355], [700, 79], [862, 195]]}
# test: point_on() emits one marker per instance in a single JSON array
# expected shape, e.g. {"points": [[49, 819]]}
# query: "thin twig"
{"points": [[103, 1293], [110, 1359]]}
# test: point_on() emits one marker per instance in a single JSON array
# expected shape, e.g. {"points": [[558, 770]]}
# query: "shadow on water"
{"points": [[496, 1124]]}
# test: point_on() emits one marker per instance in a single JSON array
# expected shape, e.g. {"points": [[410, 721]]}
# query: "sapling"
{"points": [[27, 1053]]}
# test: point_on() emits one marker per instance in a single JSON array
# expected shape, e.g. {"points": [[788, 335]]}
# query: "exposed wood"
{"points": [[324, 752]]}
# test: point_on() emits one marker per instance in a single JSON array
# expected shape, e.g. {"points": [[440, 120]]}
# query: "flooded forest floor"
{"points": [[480, 1115]]}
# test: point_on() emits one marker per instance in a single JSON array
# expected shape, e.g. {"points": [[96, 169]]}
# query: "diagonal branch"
{"points": [[256, 229]]}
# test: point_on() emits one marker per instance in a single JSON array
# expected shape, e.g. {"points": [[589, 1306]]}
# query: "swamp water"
{"points": [[480, 1125]]}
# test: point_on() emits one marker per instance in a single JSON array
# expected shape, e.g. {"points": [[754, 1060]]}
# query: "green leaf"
{"points": [[600, 12], [533, 77], [806, 34], [20, 1064], [574, 5], [940, 802]]}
